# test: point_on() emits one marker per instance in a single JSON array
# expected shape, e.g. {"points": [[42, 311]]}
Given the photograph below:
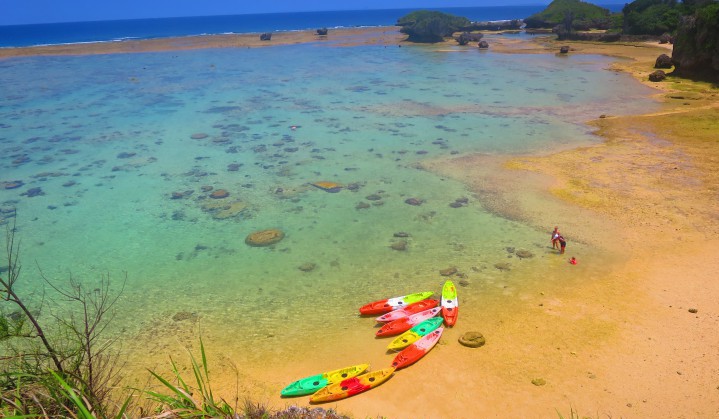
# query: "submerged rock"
{"points": [[502, 266], [199, 136], [264, 237], [219, 194], [524, 254], [399, 245], [307, 267], [448, 272], [413, 201]]}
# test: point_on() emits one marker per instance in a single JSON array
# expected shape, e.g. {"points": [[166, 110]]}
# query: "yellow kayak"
{"points": [[352, 386]]}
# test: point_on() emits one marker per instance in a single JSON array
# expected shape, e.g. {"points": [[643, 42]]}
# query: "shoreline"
{"points": [[639, 353], [648, 190], [380, 35]]}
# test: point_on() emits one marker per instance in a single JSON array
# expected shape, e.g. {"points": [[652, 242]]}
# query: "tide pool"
{"points": [[126, 150]]}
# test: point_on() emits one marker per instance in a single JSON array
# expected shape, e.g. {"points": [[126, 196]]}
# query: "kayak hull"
{"points": [[313, 383], [389, 304], [449, 304], [417, 350], [411, 309], [351, 386], [402, 325], [415, 333]]}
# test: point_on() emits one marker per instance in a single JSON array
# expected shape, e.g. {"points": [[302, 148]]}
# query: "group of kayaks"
{"points": [[413, 317]]}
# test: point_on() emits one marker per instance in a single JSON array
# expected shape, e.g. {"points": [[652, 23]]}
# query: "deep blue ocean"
{"points": [[118, 30]]}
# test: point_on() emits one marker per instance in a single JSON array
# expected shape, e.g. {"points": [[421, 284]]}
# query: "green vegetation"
{"points": [[576, 14], [430, 26], [61, 365], [651, 17]]}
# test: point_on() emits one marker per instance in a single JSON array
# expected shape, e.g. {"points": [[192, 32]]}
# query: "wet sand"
{"points": [[650, 192], [344, 37], [621, 343]]}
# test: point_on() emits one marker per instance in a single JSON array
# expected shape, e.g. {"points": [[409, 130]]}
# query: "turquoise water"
{"points": [[108, 139]]}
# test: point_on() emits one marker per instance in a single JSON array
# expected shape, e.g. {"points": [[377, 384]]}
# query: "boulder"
{"points": [[448, 272], [663, 61], [483, 45], [264, 237], [666, 39], [564, 49], [472, 339], [322, 31], [266, 36], [466, 37], [657, 76], [219, 194]]}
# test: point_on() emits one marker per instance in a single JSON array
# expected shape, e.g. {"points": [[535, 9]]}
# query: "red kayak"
{"points": [[389, 304], [417, 350], [402, 325], [411, 309]]}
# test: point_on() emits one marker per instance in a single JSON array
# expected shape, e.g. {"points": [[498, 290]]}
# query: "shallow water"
{"points": [[108, 139]]}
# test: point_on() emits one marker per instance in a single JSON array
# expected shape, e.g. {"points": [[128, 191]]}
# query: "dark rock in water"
{"points": [[32, 192], [401, 234], [524, 254], [399, 245], [663, 61], [502, 266], [184, 315], [219, 194], [413, 201], [69, 183], [206, 188], [233, 167], [448, 272], [126, 155], [266, 36], [564, 49], [464, 283], [307, 267], [13, 184], [657, 76], [180, 195], [322, 31], [362, 205], [264, 237], [199, 136], [456, 205], [353, 186], [483, 45], [462, 200], [467, 37], [373, 197], [472, 339], [510, 249]]}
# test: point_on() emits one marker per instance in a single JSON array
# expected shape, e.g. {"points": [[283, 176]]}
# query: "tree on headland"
{"points": [[430, 26], [576, 14]]}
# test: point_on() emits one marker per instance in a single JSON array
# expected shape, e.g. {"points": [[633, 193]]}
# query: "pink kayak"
{"points": [[402, 325], [411, 309]]}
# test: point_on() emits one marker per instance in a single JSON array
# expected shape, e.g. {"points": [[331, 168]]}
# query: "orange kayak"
{"points": [[413, 308], [389, 304], [402, 325], [352, 386], [417, 350]]}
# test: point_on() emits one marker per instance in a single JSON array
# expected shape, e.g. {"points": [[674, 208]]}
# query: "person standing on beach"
{"points": [[562, 243], [555, 235]]}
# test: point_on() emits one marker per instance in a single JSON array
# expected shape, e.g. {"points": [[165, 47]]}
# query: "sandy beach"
{"points": [[638, 341]]}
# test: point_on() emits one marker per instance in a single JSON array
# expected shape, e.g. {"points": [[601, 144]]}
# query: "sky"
{"points": [[20, 12]]}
